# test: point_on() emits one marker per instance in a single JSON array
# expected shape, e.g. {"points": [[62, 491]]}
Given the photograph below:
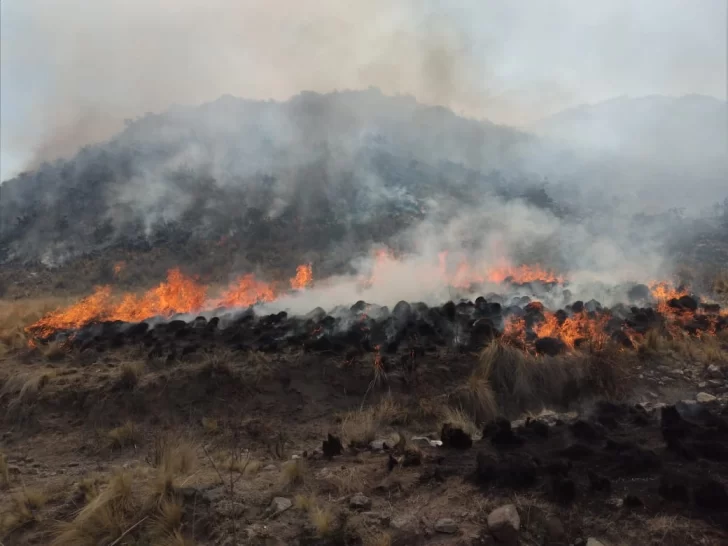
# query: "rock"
{"points": [[594, 542], [400, 522], [447, 526], [360, 502], [455, 437], [279, 505], [555, 530], [230, 509], [704, 397], [424, 441], [714, 372], [332, 447], [504, 524], [549, 346], [715, 383], [702, 385], [378, 445]]}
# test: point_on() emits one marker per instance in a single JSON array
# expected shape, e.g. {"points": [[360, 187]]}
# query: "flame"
{"points": [[247, 291], [178, 294], [664, 291], [303, 278], [514, 330], [523, 274], [466, 275]]}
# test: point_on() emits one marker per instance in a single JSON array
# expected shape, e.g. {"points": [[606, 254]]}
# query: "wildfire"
{"points": [[178, 294], [246, 291], [303, 278], [662, 292], [466, 275], [523, 274]]}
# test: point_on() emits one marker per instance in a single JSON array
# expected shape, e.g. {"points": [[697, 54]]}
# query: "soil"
{"points": [[634, 471]]}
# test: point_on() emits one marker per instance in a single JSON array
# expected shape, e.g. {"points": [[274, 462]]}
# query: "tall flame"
{"points": [[303, 278]]}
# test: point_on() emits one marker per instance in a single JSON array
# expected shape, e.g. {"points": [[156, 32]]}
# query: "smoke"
{"points": [[79, 71], [72, 72]]}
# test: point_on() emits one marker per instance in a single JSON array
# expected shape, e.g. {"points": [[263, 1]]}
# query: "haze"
{"points": [[72, 71]]}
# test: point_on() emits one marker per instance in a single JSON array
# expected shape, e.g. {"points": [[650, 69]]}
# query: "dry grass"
{"points": [[304, 502], [105, 518], [87, 489], [242, 465], [345, 481], [124, 435], [54, 351], [673, 530], [167, 521], [219, 363], [173, 458], [132, 506], [377, 539], [608, 369], [24, 510], [16, 315], [4, 470], [175, 539], [720, 285], [131, 373], [23, 391], [459, 419], [359, 428], [705, 350], [508, 370], [293, 473], [476, 397], [322, 520], [210, 425]]}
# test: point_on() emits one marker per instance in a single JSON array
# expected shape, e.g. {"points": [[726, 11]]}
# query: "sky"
{"points": [[71, 70]]}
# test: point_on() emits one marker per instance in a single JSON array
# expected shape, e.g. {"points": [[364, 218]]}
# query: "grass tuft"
{"points": [[124, 435], [293, 473]]}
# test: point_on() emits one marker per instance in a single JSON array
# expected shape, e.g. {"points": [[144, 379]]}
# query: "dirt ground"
{"points": [[233, 447]]}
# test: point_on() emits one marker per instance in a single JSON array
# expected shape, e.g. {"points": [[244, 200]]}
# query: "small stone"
{"points": [[555, 530], [652, 394], [702, 385], [715, 382], [378, 445], [270, 467], [400, 522], [71, 465], [714, 372], [230, 509], [360, 502], [280, 504], [504, 524], [447, 526], [594, 542], [704, 397]]}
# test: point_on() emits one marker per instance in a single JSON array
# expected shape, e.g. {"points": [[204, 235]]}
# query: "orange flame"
{"points": [[303, 278], [247, 291], [523, 274], [178, 294]]}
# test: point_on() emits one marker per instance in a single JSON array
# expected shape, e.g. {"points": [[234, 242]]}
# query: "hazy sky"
{"points": [[72, 70]]}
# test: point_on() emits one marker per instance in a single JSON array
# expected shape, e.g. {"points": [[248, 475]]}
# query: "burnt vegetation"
{"points": [[361, 424]]}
